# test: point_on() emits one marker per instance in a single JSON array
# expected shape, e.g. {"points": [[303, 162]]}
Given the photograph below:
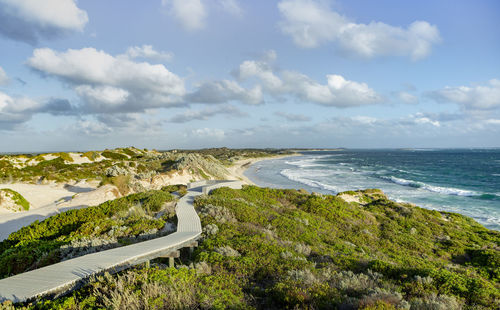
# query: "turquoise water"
{"points": [[462, 181]]}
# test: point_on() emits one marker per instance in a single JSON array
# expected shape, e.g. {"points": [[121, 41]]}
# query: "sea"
{"points": [[465, 181]]}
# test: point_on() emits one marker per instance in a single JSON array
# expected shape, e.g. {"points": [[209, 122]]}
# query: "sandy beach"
{"points": [[239, 167]]}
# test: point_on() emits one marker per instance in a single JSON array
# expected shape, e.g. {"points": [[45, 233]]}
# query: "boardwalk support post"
{"points": [[191, 248], [171, 256]]}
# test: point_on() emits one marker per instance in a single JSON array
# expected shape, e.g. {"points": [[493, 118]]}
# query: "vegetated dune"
{"points": [[50, 200], [12, 201], [40, 195], [267, 248], [55, 182]]}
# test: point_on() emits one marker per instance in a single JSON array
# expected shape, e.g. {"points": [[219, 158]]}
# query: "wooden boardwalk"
{"points": [[63, 276]]}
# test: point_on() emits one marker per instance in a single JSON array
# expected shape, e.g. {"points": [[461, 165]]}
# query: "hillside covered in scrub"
{"points": [[137, 163], [274, 249]]}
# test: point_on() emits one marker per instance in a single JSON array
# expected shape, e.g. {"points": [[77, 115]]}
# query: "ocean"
{"points": [[461, 181]]}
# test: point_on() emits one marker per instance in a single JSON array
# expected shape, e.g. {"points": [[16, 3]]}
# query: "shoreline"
{"points": [[237, 170], [441, 201]]}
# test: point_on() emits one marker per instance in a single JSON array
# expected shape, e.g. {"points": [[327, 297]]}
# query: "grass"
{"points": [[114, 155], [122, 182], [17, 198]]}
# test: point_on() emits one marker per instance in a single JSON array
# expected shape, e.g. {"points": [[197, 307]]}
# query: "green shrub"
{"points": [[65, 156], [122, 182], [91, 155], [17, 198], [129, 152], [114, 155], [286, 249], [39, 243]]}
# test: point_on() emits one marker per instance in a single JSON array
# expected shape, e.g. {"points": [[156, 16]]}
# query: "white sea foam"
{"points": [[303, 177], [306, 163], [432, 188]]}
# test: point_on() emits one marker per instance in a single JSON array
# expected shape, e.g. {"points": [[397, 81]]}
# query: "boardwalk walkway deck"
{"points": [[65, 275]]}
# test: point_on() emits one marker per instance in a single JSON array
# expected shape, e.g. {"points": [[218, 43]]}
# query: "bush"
{"points": [[91, 155], [17, 198], [39, 244], [114, 155], [286, 249], [65, 156]]}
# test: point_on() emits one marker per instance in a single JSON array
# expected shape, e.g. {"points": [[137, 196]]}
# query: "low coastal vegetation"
{"points": [[12, 200], [77, 232], [228, 156], [287, 249], [137, 163]]}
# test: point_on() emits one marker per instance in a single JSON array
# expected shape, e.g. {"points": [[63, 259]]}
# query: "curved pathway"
{"points": [[66, 275]]}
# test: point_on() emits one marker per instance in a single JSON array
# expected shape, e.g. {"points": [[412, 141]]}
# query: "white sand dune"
{"points": [[48, 200]]}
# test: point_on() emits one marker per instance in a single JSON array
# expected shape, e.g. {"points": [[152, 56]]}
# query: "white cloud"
{"points": [[365, 119], [313, 23], [406, 97], [261, 70], [107, 95], [231, 6], [205, 114], [426, 120], [211, 133], [17, 110], [147, 51], [111, 84], [3, 77], [224, 91], [193, 14], [31, 20], [481, 97], [91, 128], [292, 117], [190, 13], [338, 91]]}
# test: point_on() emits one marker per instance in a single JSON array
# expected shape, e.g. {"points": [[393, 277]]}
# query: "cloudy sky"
{"points": [[93, 74]]}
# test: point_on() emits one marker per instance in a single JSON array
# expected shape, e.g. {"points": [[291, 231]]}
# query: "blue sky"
{"points": [[79, 75]]}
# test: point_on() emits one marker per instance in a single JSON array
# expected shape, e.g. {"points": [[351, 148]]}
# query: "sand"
{"points": [[47, 200], [239, 167]]}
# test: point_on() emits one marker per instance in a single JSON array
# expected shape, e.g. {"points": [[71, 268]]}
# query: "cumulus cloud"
{"points": [[210, 133], [406, 97], [3, 77], [224, 91], [337, 91], [191, 14], [17, 110], [205, 114], [313, 23], [90, 128], [481, 97], [147, 51], [32, 20], [110, 84], [231, 6], [292, 117]]}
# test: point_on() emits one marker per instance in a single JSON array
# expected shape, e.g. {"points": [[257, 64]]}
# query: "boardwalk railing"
{"points": [[63, 276]]}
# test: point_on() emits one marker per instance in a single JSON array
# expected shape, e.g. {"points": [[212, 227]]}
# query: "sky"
{"points": [[166, 74]]}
